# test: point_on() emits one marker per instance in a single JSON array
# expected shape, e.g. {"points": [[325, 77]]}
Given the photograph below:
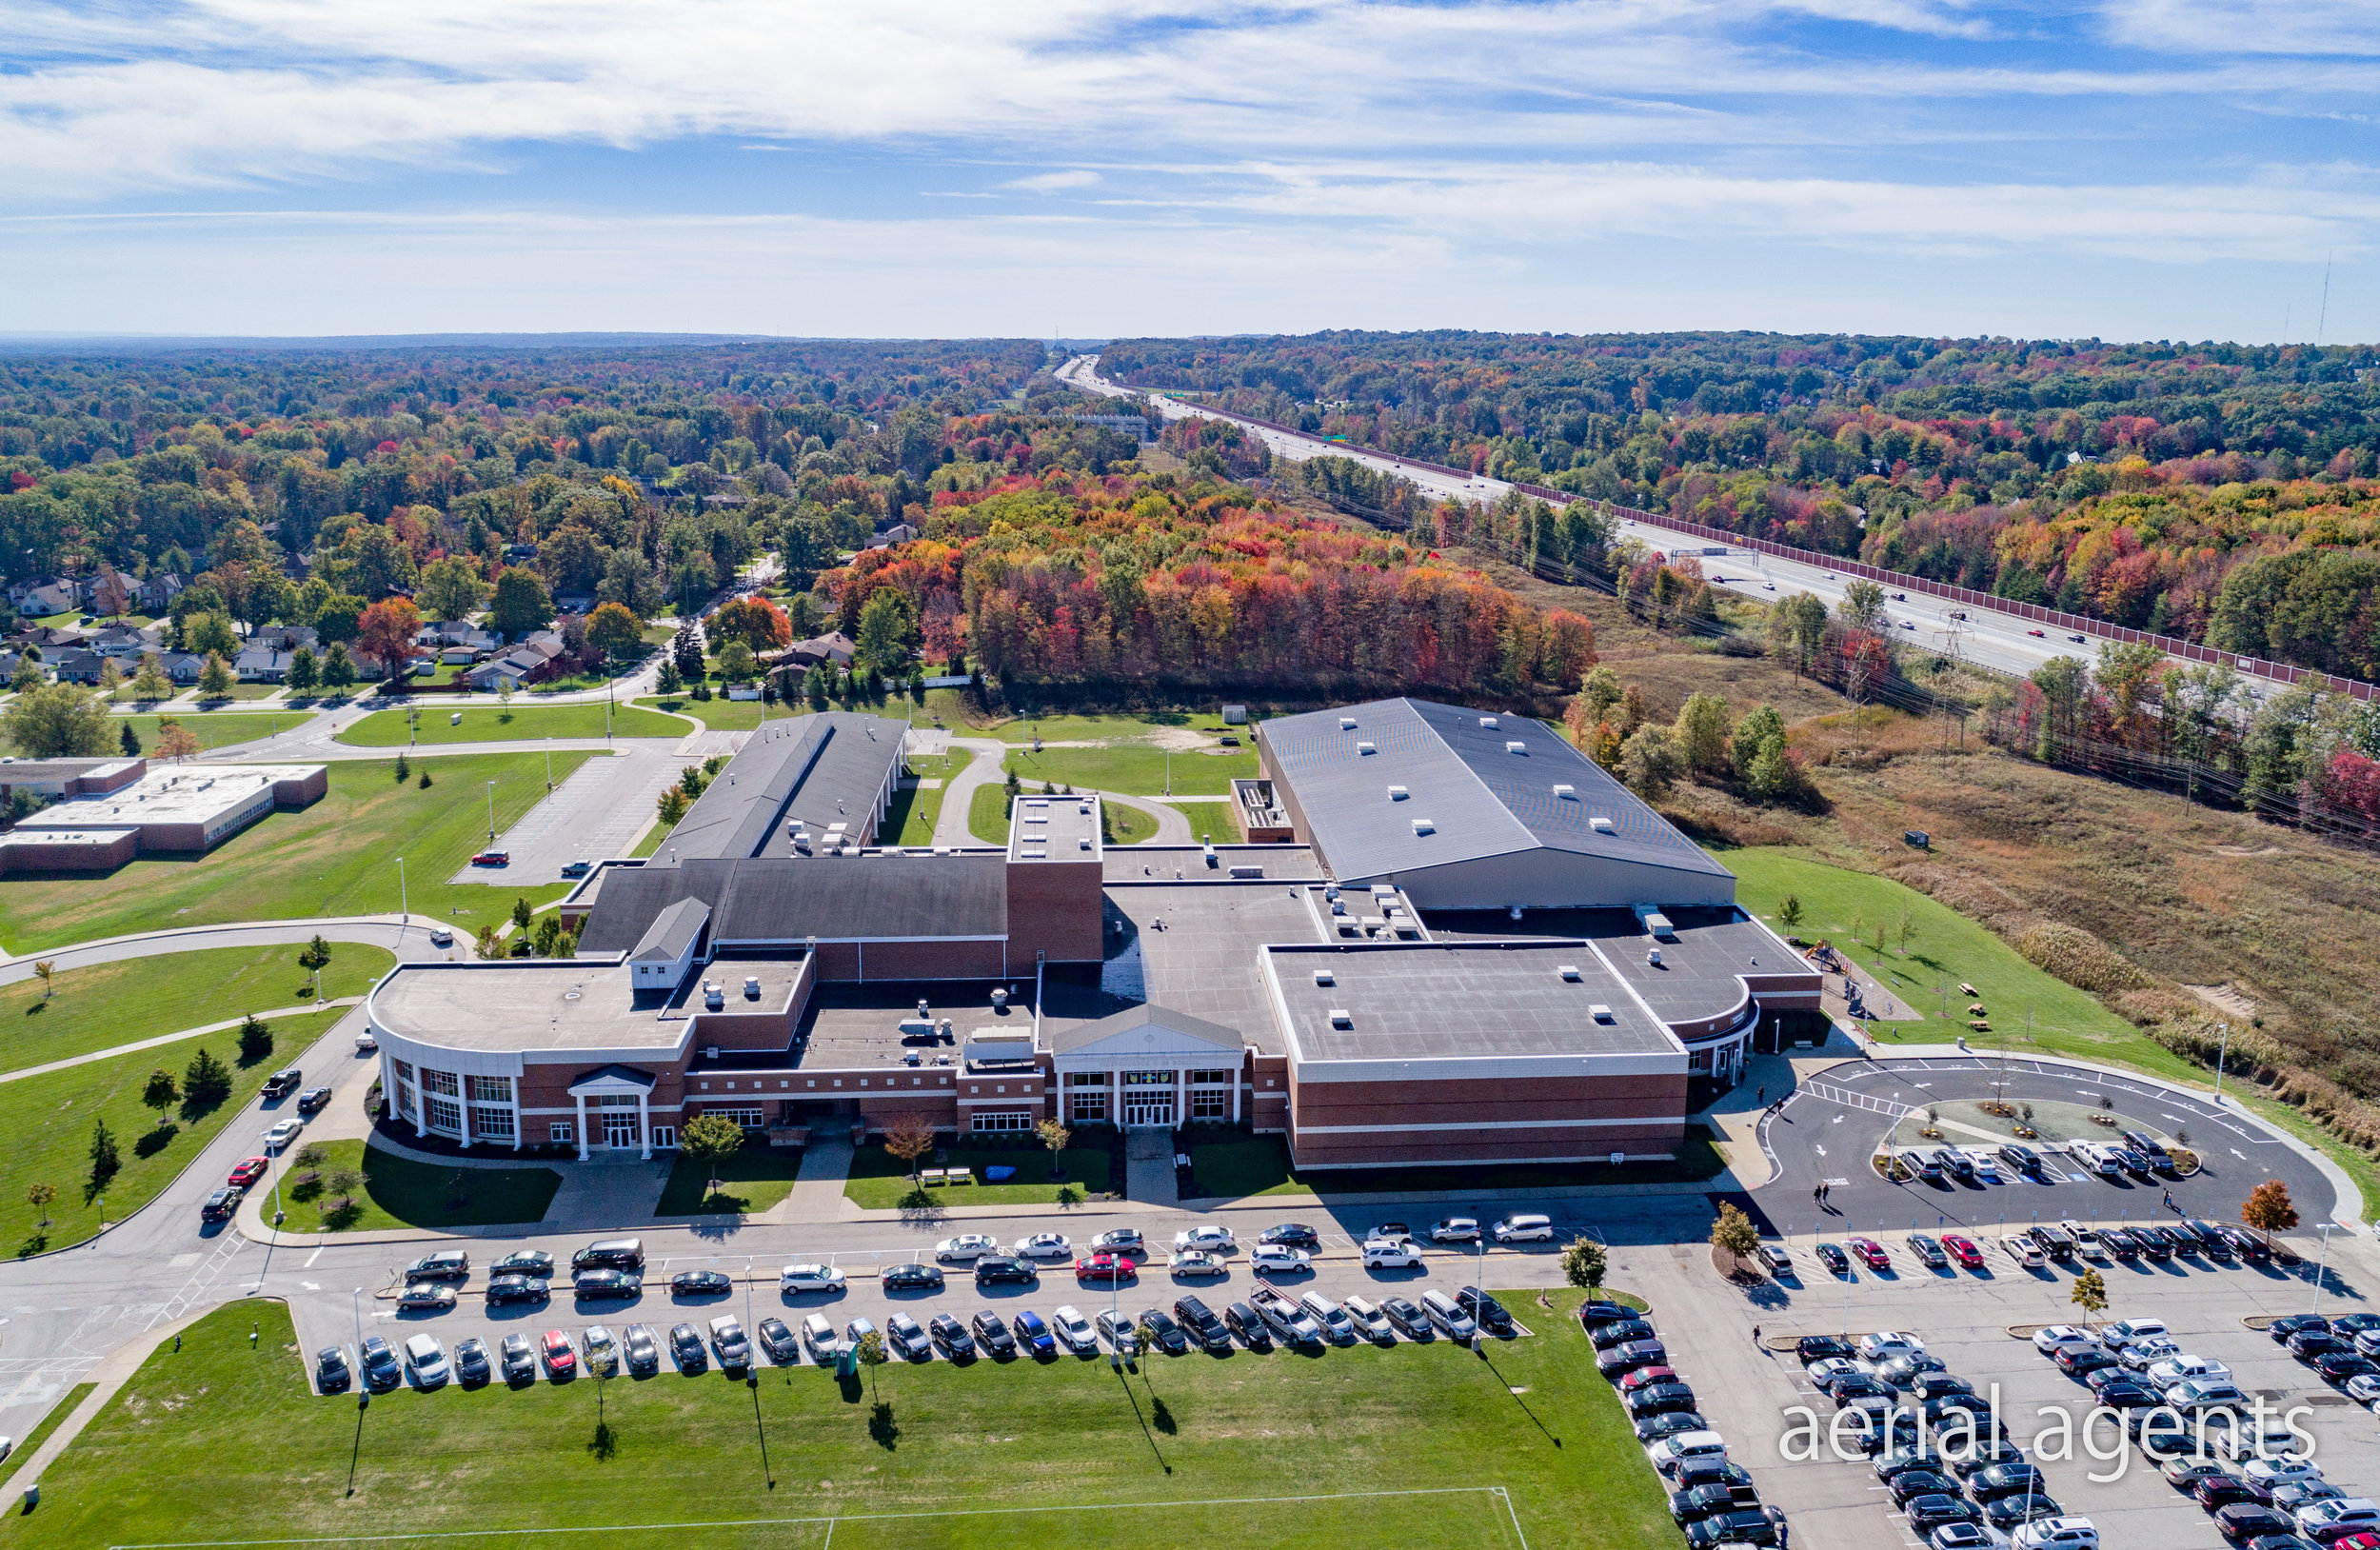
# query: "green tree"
{"points": [[871, 1355], [59, 720], [1054, 1136], [1774, 776], [104, 1159], [673, 806], [1649, 762], [29, 674], [129, 741], [151, 683], [210, 631], [255, 1039], [161, 1093], [39, 1197], [888, 623], [2091, 1294], [1732, 1232], [521, 914], [1700, 734], [521, 604], [614, 632], [1584, 1263], [710, 1140], [1788, 912], [338, 667], [450, 588], [1863, 605], [736, 663], [1796, 626], [206, 1083], [336, 619], [304, 671], [1758, 725], [315, 957], [214, 680], [670, 681]]}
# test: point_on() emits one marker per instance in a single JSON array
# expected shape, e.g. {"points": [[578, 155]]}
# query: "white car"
{"points": [[1392, 1253], [281, 1134], [1887, 1343], [2143, 1354], [810, 1278], [1823, 1373], [2293, 1470], [2363, 1388], [2325, 1520], [2050, 1339], [1206, 1239], [2062, 1532], [1279, 1257], [428, 1359], [2086, 1239], [1987, 1161], [968, 1245], [2131, 1332], [1366, 1314], [2182, 1366], [2022, 1249], [818, 1335], [2192, 1395], [1073, 1330], [1046, 1246], [1195, 1262], [1455, 1230], [366, 1043], [1671, 1452]]}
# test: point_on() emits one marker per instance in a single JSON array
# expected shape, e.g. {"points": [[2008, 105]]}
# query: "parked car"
{"points": [[1455, 1230], [1193, 1261], [562, 1358], [331, 1370], [1274, 1259], [1250, 1326], [598, 1286], [700, 1283], [517, 1289], [1284, 1318], [518, 1357], [1962, 1250], [1199, 1322], [687, 1351], [1033, 1337], [1206, 1239], [435, 1296], [1449, 1318], [1524, 1228], [1832, 1256], [796, 1278], [1167, 1333], [1046, 1246], [611, 1254], [382, 1370], [1871, 1253], [448, 1264], [777, 1338], [1390, 1254], [1621, 1334], [493, 858], [1120, 1241], [1002, 1269], [1104, 1266], [1928, 1252], [1369, 1320], [427, 1361], [1626, 1358], [968, 1245], [1074, 1331], [903, 1336], [1776, 1261], [911, 1278], [951, 1338], [599, 1349], [991, 1333], [2021, 1248], [533, 1262], [1482, 1306], [1293, 1234]]}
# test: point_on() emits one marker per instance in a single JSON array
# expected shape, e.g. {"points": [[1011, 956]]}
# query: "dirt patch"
{"points": [[2243, 850], [2224, 998], [1180, 738], [1733, 1270]]}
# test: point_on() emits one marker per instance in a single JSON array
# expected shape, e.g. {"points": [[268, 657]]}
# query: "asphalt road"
{"points": [[2000, 641]]}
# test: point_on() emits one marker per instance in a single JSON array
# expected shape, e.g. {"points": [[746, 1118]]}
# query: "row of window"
{"points": [[1090, 1106], [1152, 1079]]}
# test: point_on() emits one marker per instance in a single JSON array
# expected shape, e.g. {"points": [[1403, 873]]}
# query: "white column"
{"points": [[515, 1089], [1181, 1095], [581, 1099], [1116, 1099], [1236, 1078], [643, 1127]]}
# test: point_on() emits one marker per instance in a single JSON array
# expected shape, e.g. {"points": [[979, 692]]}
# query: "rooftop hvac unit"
{"points": [[1515, 746], [1488, 722], [1423, 825], [1398, 793], [752, 987], [1565, 793], [1600, 1012], [1570, 971], [1346, 723], [1000, 996], [713, 998], [1084, 842], [1341, 1018], [1366, 749], [1602, 825], [1325, 975]]}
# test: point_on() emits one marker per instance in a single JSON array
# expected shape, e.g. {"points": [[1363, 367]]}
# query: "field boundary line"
{"points": [[845, 1517]]}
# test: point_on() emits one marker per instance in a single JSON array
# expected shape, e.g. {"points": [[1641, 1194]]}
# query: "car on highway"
{"points": [[518, 1357], [1046, 1246], [700, 1283], [2038, 634], [796, 1278], [220, 1205], [910, 1277], [248, 1171]]}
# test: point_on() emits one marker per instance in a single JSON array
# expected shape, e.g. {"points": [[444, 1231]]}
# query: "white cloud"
{"points": [[2311, 27], [1082, 177]]}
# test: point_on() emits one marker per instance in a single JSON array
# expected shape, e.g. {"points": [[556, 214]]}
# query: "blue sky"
{"points": [[2130, 169]]}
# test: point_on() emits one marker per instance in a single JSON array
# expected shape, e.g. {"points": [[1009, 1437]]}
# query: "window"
{"points": [[1090, 1106], [1086, 1079], [408, 1103], [748, 1117], [1208, 1103], [1148, 1079], [495, 1123], [665, 1136], [1002, 1121], [1212, 1077], [442, 1082], [405, 1070], [445, 1116], [491, 1089], [561, 1132]]}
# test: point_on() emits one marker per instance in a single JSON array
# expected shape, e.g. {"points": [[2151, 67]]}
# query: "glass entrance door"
{"points": [[1152, 1109], [620, 1129]]}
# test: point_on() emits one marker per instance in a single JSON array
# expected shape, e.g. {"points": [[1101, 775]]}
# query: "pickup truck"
{"points": [[1287, 1322]]}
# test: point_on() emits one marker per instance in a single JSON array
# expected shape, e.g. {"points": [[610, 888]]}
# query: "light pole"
{"points": [[405, 912], [550, 764], [2221, 1050], [491, 812], [2322, 1265]]}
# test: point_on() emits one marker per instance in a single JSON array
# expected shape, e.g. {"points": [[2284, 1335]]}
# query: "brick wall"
{"points": [[1056, 908]]}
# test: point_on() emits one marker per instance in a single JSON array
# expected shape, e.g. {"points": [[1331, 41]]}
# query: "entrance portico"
{"points": [[622, 1097], [1148, 1068]]}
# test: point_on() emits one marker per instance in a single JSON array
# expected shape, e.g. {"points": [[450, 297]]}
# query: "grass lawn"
{"points": [[987, 815], [51, 1130], [1217, 821], [337, 857], [400, 1192], [116, 1003], [2029, 1008], [653, 839], [222, 1442], [1116, 728], [878, 1178], [1132, 768], [1235, 1166], [214, 728], [915, 812], [41, 1431], [493, 723], [244, 692], [722, 714], [755, 1179], [1125, 825]]}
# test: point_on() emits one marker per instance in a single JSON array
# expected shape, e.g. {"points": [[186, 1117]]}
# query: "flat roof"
{"points": [[1194, 947], [822, 769], [1160, 862], [567, 1004], [57, 837], [1428, 1002], [872, 897], [1700, 967], [178, 794], [1054, 829], [857, 1026], [1482, 785]]}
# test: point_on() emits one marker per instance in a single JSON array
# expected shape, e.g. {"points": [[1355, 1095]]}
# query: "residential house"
{"points": [[287, 638], [515, 669], [900, 532], [123, 642], [35, 599], [833, 648], [261, 664], [74, 665], [157, 592]]}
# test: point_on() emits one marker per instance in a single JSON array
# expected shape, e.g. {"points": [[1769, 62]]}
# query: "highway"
{"points": [[2004, 641]]}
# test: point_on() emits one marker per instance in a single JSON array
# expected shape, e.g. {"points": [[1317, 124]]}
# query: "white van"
{"points": [[1334, 1320], [1671, 1453], [1524, 1230], [2131, 1332], [428, 1359], [2057, 1534], [1451, 1320]]}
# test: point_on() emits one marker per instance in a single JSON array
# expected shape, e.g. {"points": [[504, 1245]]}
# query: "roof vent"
{"points": [[1341, 1018], [1423, 825], [1565, 793], [1365, 748], [1602, 825], [1600, 1012], [1324, 977], [1516, 747], [1346, 723], [1570, 971], [1398, 793], [1488, 722]]}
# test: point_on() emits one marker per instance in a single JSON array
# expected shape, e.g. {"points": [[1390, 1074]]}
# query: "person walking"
{"points": [[1763, 1097]]}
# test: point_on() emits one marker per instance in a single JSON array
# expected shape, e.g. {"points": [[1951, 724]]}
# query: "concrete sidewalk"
{"points": [[113, 1050]]}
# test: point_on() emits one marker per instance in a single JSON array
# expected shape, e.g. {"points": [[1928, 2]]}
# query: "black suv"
{"points": [[517, 1289], [1170, 1339], [686, 1348], [611, 1254], [952, 1335], [991, 1333], [1248, 1325], [994, 1269], [1201, 1322], [592, 1284], [777, 1339], [1488, 1312]]}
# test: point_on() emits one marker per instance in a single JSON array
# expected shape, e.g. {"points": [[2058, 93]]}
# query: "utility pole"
{"points": [[491, 812], [2221, 1051], [405, 914]]}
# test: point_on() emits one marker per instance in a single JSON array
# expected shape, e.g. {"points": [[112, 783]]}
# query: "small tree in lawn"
{"points": [[710, 1140], [206, 1083], [1053, 1135], [176, 742], [214, 680], [1734, 1233], [908, 1137], [871, 1354], [2091, 1294], [1788, 912], [255, 1039], [2268, 1209], [161, 1093], [39, 1197], [315, 957], [47, 972], [104, 1159], [1583, 1264]]}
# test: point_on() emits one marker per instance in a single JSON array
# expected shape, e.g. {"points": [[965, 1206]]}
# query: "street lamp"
{"points": [[491, 812], [2322, 1266], [2222, 1049], [405, 912]]}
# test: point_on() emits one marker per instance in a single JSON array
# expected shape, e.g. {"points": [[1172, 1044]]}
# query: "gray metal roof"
{"points": [[672, 932], [786, 898], [1459, 1001], [824, 769], [1703, 964], [1199, 1029], [1480, 797]]}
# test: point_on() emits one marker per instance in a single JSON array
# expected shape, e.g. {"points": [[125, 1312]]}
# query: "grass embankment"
{"points": [[987, 815], [916, 811], [753, 1180], [400, 1192], [721, 714], [222, 1442], [51, 1118], [40, 1434], [1214, 822], [1126, 825], [879, 1180], [1134, 768], [496, 723], [1237, 1166], [119, 1003], [337, 857], [213, 729]]}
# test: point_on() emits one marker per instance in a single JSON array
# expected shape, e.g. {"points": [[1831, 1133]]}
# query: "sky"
{"points": [[2120, 168]]}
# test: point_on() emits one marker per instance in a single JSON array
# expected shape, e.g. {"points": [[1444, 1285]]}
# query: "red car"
{"points": [[1104, 1266], [1871, 1253], [493, 858], [1963, 1250], [562, 1358], [1642, 1376], [249, 1170]]}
